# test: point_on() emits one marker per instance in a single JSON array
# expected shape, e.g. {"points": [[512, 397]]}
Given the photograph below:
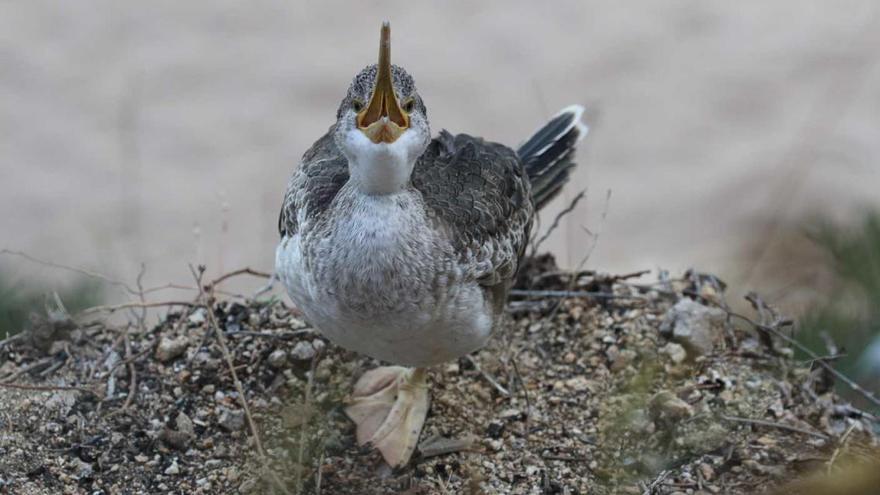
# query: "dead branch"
{"points": [[653, 487], [132, 372], [570, 294], [243, 271], [117, 307], [26, 369], [439, 445], [10, 339], [573, 282], [278, 336], [489, 378], [850, 383], [781, 426], [227, 356], [81, 271], [307, 405], [843, 444], [556, 220], [46, 388]]}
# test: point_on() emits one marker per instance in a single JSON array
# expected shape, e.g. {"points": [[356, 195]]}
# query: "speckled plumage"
{"points": [[419, 276]]}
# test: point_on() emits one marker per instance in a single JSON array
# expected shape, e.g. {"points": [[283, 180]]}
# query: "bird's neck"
{"points": [[381, 169]]}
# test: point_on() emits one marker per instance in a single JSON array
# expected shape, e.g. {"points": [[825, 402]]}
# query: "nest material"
{"points": [[597, 385]]}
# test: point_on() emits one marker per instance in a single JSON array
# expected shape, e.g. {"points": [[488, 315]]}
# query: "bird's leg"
{"points": [[389, 406]]}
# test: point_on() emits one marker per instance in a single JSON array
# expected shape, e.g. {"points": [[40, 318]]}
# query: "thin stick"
{"points": [[503, 391], [438, 445], [242, 271], [117, 307], [81, 271], [11, 339], [318, 473], [843, 442], [556, 220], [229, 362], [142, 316], [279, 336], [238, 387], [307, 406], [47, 388], [525, 394], [21, 371], [573, 282], [169, 286], [850, 383], [572, 293], [132, 371], [771, 424]]}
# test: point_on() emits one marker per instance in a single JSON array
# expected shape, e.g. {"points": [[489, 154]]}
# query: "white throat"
{"points": [[381, 168]]}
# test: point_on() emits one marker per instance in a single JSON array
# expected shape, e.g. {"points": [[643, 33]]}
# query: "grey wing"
{"points": [[313, 186], [478, 192]]}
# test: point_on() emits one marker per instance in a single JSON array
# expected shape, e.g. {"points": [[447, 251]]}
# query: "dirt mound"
{"points": [[598, 384]]}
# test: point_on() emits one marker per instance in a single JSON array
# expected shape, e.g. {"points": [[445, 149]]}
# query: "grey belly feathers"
{"points": [[379, 281]]}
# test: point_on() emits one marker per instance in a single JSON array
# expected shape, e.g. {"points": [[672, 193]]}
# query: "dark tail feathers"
{"points": [[548, 154]]}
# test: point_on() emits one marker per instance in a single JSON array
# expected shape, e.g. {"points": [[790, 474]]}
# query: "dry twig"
{"points": [[843, 443], [243, 271], [489, 378], [81, 271], [556, 220], [227, 356], [48, 388], [572, 293], [117, 307], [849, 382], [776, 425]]}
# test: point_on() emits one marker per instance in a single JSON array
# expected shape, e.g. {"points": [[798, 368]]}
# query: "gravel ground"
{"points": [[638, 388]]}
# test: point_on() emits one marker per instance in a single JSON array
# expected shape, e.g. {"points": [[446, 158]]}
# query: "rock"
{"points": [[495, 429], [173, 468], [184, 424], [624, 359], [512, 414], [707, 472], [579, 384], [303, 351], [176, 439], [169, 349], [277, 359], [248, 486], [231, 420], [63, 401], [197, 317], [675, 352], [693, 325], [84, 469], [666, 407]]}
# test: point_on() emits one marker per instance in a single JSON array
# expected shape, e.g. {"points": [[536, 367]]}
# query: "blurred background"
{"points": [[739, 138]]}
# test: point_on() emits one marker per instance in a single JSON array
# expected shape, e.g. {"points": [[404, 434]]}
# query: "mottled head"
{"points": [[382, 126]]}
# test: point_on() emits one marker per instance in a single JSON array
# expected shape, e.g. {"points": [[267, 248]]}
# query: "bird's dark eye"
{"points": [[357, 105], [409, 105]]}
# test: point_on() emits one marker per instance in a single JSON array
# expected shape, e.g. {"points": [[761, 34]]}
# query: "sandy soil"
{"points": [[164, 132]]}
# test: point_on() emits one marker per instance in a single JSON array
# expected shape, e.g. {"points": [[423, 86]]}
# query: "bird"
{"points": [[403, 247]]}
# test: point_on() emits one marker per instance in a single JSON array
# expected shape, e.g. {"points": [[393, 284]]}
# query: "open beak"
{"points": [[383, 121]]}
